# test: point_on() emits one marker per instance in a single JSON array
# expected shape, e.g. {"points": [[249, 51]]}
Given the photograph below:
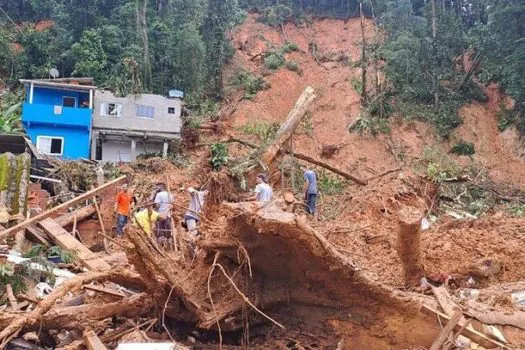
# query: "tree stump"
{"points": [[409, 244]]}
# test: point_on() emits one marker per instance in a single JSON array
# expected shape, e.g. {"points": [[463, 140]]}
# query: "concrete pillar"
{"points": [[94, 138], [165, 150], [91, 99], [133, 150]]}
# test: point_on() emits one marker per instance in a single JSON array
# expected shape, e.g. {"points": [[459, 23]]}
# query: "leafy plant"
{"points": [[438, 165], [66, 256], [293, 66], [250, 83], [219, 156], [330, 184], [505, 117], [36, 250], [10, 119], [274, 60], [289, 47], [372, 125], [463, 148], [276, 15], [357, 85], [264, 130]]}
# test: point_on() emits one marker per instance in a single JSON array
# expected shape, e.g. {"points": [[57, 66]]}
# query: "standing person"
{"points": [[122, 208], [263, 191], [192, 216], [310, 191], [146, 219], [163, 201]]}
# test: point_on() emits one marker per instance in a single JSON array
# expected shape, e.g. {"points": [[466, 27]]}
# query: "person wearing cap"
{"points": [[192, 216], [146, 219], [122, 208], [263, 191]]}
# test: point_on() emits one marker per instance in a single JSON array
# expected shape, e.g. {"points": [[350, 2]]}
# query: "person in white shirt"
{"points": [[163, 200], [263, 191], [192, 216]]}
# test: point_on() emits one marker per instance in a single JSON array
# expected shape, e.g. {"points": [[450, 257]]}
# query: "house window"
{"points": [[111, 109], [171, 110], [53, 146], [145, 111], [69, 101]]}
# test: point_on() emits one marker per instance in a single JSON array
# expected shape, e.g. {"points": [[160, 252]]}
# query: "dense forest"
{"points": [[133, 46]]}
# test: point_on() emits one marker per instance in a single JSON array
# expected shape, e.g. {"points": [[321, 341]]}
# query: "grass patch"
{"points": [[264, 130], [463, 148], [330, 184], [289, 47], [274, 60], [438, 165], [371, 125], [357, 85], [293, 66], [250, 83]]}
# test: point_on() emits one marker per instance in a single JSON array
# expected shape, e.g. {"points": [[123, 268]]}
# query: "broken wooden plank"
{"points": [[48, 213], [290, 124], [443, 336], [99, 289], [471, 334], [37, 235], [62, 238], [329, 167], [92, 341]]}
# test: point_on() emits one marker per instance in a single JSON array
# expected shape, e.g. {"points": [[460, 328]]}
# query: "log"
{"points": [[48, 213], [37, 235], [92, 341], [288, 127], [33, 318], [443, 336], [329, 167], [80, 214], [409, 244]]}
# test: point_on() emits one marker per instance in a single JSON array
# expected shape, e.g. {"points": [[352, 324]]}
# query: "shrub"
{"points": [[264, 130], [330, 184], [463, 148], [250, 83], [289, 47], [372, 125], [276, 15], [219, 156], [438, 165], [274, 60], [505, 117], [293, 66]]}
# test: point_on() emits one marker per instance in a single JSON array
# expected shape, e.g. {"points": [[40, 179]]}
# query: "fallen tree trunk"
{"points": [[288, 127], [409, 244], [80, 214], [33, 318], [82, 316], [48, 213], [438, 343], [329, 167]]}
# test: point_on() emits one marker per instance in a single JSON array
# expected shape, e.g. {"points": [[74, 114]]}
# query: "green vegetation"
{"points": [[219, 156], [330, 184], [289, 47], [250, 83], [505, 117], [372, 125], [293, 66], [438, 165], [264, 130], [274, 60], [463, 148]]}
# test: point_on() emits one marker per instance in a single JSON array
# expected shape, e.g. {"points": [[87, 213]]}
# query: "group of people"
{"points": [[155, 218]]}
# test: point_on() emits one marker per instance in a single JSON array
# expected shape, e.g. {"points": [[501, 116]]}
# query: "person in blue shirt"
{"points": [[310, 191]]}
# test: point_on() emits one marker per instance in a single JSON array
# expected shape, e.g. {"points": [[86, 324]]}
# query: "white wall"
{"points": [[120, 151]]}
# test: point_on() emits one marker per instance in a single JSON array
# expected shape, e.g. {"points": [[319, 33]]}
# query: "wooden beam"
{"points": [[92, 341], [443, 336], [475, 336], [329, 167], [37, 235], [99, 289], [64, 239], [48, 213]]}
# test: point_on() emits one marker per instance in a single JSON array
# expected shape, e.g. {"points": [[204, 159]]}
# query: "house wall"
{"points": [[72, 124], [49, 96], [76, 141], [120, 151], [164, 123]]}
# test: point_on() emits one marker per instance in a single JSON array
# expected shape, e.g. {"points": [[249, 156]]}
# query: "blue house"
{"points": [[57, 116]]}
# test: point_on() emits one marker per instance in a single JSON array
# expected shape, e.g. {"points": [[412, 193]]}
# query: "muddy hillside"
{"points": [[412, 246]]}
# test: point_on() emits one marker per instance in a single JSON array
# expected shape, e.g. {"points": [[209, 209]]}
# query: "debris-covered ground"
{"points": [[266, 275]]}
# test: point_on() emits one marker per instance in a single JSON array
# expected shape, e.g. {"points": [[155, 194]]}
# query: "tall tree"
{"points": [[142, 30]]}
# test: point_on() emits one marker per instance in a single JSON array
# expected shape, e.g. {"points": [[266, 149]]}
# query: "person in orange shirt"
{"points": [[122, 209]]}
